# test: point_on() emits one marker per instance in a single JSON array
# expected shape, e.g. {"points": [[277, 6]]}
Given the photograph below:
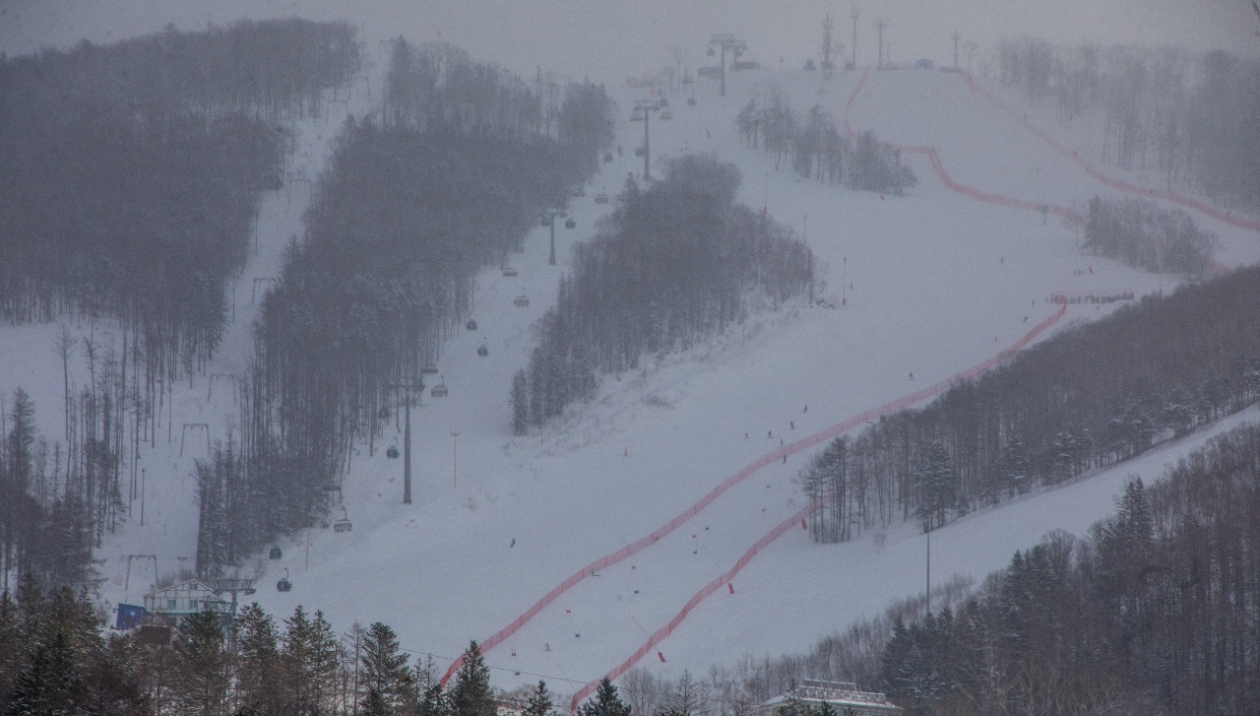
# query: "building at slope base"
{"points": [[843, 696]]}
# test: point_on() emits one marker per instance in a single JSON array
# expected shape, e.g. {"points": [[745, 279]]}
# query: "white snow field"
{"points": [[937, 282]]}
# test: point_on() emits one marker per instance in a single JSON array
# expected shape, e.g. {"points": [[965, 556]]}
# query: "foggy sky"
{"points": [[606, 40]]}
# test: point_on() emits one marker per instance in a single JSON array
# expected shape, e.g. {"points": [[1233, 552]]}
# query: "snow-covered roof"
{"points": [[841, 694]]}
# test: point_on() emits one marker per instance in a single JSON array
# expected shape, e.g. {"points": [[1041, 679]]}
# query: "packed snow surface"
{"points": [[915, 288]]}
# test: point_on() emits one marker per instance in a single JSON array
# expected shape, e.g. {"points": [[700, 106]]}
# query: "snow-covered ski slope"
{"points": [[932, 283]]}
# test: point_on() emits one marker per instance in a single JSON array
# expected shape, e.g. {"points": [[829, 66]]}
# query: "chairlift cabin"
{"points": [[570, 224], [666, 115], [439, 390], [663, 103], [342, 524], [391, 452], [482, 350], [691, 101], [601, 198], [608, 157], [578, 193], [510, 272], [276, 553], [429, 369], [284, 585], [639, 151], [471, 325], [521, 301]]}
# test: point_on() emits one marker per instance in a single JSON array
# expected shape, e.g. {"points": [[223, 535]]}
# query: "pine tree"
{"points": [[606, 702], [471, 694], [201, 665], [52, 685], [385, 674], [259, 675], [539, 703]]}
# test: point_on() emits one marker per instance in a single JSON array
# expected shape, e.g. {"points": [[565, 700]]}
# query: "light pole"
{"points": [[454, 460], [413, 385], [727, 41]]}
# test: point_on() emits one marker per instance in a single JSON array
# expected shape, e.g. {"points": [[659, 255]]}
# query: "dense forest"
{"points": [[1139, 233], [819, 150], [1154, 613], [130, 177], [54, 660], [676, 262], [1193, 118], [1087, 398], [445, 180]]}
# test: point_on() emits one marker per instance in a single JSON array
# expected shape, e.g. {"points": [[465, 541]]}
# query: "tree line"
{"points": [[1137, 232], [55, 659], [1087, 398], [1193, 118], [445, 180], [819, 150], [1149, 614], [676, 262]]}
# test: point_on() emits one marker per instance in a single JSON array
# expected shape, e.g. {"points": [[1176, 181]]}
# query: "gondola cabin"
{"points": [[276, 553], [482, 350], [391, 452], [471, 325], [570, 224]]}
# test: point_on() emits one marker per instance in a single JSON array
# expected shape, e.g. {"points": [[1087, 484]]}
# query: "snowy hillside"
{"points": [[918, 288]]}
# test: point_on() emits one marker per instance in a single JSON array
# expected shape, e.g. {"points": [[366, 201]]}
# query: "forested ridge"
{"points": [[1193, 118], [445, 180], [1087, 398], [675, 263], [130, 177]]}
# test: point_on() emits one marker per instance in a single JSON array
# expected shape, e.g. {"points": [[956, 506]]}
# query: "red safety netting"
{"points": [[1186, 201], [832, 432]]}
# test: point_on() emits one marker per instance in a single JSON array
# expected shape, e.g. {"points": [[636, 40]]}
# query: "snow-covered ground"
{"points": [[936, 283]]}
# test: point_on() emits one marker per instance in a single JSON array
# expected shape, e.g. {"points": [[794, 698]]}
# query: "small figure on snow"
{"points": [[513, 543], [911, 375], [769, 434], [806, 410], [792, 424]]}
